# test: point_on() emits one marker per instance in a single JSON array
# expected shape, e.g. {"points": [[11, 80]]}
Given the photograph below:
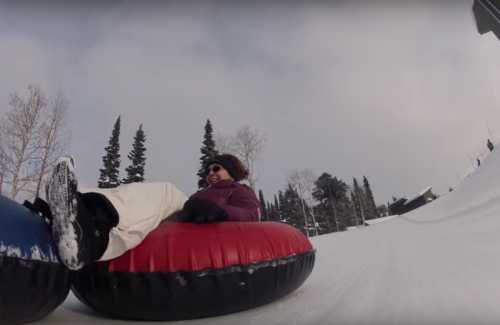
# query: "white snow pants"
{"points": [[141, 207]]}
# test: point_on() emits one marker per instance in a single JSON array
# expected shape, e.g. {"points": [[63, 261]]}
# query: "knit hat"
{"points": [[232, 164]]}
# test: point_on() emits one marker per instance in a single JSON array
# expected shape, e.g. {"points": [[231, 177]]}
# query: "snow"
{"points": [[438, 264], [36, 254], [379, 220], [63, 206], [419, 194], [10, 250]]}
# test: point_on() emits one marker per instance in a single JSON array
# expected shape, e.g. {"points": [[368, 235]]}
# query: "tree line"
{"points": [[327, 204]]}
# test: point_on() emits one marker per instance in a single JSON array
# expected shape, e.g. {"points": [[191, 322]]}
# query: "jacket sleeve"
{"points": [[243, 205]]}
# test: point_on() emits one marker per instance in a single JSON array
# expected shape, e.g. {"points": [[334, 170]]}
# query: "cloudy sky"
{"points": [[402, 92]]}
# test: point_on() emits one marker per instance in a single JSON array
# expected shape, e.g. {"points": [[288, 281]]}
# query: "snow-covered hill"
{"points": [[439, 264]]}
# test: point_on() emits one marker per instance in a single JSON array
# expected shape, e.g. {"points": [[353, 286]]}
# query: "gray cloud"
{"points": [[401, 93]]}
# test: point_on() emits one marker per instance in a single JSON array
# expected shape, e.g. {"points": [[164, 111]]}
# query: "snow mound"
{"points": [[480, 189]]}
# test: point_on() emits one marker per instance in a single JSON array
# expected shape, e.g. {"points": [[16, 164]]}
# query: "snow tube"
{"points": [[185, 271], [32, 280]]}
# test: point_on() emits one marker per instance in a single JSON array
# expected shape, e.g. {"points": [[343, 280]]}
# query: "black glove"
{"points": [[201, 211], [41, 208]]}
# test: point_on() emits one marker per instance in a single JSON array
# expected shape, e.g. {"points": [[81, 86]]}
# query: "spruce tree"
{"points": [[355, 215], [263, 208], [276, 209], [371, 207], [135, 171], [359, 201], [282, 207], [208, 151], [325, 209], [110, 173], [270, 211], [291, 209], [327, 192], [334, 206]]}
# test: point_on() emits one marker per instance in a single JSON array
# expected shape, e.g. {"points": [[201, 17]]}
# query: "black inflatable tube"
{"points": [[32, 280], [30, 290], [189, 295]]}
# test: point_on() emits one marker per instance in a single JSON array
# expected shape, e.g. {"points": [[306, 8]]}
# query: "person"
{"points": [[225, 198], [490, 145], [101, 224]]}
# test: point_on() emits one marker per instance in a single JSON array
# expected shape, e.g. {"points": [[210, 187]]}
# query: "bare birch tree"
{"points": [[2, 162], [247, 144], [53, 138], [19, 139], [29, 134], [223, 143], [303, 182]]}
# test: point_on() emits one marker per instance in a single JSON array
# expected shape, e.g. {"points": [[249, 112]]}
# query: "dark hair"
{"points": [[232, 164]]}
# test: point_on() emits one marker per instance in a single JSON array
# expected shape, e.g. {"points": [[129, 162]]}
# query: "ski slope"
{"points": [[439, 264]]}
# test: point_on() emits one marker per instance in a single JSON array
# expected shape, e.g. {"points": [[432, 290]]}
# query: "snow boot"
{"points": [[71, 226]]}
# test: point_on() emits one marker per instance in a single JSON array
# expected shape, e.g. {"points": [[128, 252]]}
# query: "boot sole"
{"points": [[61, 197]]}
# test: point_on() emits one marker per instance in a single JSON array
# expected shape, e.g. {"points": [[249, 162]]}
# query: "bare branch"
{"points": [[31, 136], [223, 144], [303, 181], [53, 138], [247, 144]]}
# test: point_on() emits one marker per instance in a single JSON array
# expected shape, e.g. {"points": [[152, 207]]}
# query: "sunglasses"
{"points": [[213, 169]]}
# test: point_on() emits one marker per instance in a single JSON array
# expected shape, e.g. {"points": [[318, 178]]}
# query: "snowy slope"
{"points": [[439, 264]]}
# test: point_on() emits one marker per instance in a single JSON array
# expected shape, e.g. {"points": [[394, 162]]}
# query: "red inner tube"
{"points": [[174, 247], [185, 271]]}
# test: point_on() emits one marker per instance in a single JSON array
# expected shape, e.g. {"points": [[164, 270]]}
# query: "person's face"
{"points": [[217, 173]]}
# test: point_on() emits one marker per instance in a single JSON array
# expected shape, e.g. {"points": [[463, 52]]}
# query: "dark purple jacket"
{"points": [[238, 200]]}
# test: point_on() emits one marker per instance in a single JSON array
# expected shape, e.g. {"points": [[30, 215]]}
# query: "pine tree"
{"points": [[281, 201], [334, 210], [359, 201], [326, 209], [263, 208], [371, 207], [282, 207], [291, 209], [356, 218], [270, 211], [208, 151], [110, 174], [135, 171]]}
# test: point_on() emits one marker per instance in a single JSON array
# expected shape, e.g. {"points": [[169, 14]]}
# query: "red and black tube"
{"points": [[186, 271]]}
